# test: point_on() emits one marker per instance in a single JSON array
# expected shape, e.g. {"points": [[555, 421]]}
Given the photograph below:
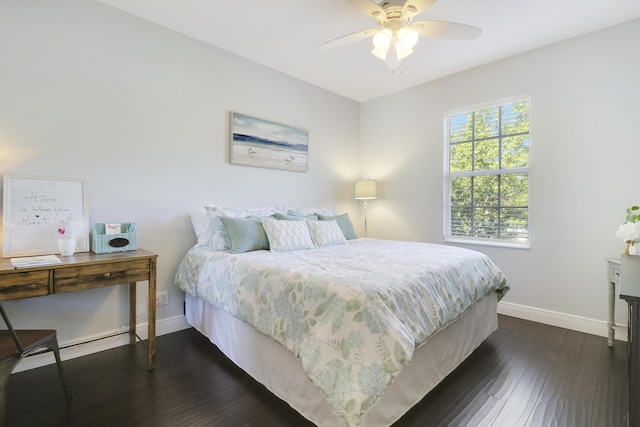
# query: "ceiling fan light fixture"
{"points": [[402, 53], [393, 60], [382, 39], [379, 53], [407, 38]]}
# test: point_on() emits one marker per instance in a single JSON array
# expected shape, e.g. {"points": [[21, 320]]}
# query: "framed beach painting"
{"points": [[267, 144]]}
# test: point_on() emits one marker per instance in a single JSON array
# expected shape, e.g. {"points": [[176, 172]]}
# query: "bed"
{"points": [[347, 331]]}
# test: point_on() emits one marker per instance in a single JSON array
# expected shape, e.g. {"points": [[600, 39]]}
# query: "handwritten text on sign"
{"points": [[36, 209]]}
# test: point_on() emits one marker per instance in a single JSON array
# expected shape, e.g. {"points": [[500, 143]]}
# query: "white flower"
{"points": [[629, 232]]}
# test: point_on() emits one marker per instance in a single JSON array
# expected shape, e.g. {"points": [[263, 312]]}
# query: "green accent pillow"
{"points": [[344, 222], [286, 217], [245, 234]]}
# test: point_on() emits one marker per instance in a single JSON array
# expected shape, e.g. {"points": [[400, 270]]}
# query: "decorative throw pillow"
{"points": [[218, 236], [325, 233], [245, 234], [287, 235], [345, 224]]}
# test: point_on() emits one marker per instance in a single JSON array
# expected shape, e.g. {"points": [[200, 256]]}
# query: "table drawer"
{"points": [[98, 275], [24, 285]]}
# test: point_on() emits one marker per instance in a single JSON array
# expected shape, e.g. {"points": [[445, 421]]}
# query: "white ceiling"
{"points": [[284, 35]]}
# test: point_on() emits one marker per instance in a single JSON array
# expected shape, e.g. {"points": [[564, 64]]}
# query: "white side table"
{"points": [[613, 277]]}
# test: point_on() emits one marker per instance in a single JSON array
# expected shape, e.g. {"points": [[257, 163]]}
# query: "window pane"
{"points": [[485, 191], [460, 127], [461, 222], [460, 157], [486, 222], [515, 152], [515, 118], [515, 224], [487, 154], [461, 191], [486, 123], [514, 190]]}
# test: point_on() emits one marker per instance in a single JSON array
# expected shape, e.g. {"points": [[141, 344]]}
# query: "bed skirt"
{"points": [[281, 372]]}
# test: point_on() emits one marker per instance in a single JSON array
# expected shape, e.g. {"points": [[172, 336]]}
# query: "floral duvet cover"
{"points": [[353, 314]]}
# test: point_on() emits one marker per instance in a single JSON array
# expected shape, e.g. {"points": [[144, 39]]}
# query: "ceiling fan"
{"points": [[397, 33]]}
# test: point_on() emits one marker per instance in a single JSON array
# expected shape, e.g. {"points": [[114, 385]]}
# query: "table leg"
{"points": [[132, 313], [612, 311], [152, 314]]}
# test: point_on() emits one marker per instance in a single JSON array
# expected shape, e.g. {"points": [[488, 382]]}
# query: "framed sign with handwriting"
{"points": [[36, 207]]}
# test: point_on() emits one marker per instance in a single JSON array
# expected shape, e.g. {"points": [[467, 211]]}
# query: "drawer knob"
{"points": [[107, 274]]}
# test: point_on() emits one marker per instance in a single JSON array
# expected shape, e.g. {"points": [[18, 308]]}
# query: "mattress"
{"points": [[282, 373]]}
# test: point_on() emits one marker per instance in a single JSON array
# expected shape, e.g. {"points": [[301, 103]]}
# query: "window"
{"points": [[487, 174]]}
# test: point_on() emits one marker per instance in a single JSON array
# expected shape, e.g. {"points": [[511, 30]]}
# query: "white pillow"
{"points": [[329, 210], [200, 222], [287, 235], [325, 233], [217, 233], [239, 212]]}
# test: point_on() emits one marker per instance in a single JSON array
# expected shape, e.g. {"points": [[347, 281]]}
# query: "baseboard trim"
{"points": [[555, 318], [92, 344]]}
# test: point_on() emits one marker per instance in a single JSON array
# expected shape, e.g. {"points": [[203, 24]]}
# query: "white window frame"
{"points": [[447, 237]]}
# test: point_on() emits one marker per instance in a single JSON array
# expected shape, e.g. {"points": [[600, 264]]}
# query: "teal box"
{"points": [[102, 243]]}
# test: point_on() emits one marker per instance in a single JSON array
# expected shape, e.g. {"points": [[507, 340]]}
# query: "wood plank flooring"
{"points": [[525, 374]]}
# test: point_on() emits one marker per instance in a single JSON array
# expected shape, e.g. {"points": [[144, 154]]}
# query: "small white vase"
{"points": [[66, 246]]}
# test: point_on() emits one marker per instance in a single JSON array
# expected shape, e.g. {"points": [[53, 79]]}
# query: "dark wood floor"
{"points": [[525, 374]]}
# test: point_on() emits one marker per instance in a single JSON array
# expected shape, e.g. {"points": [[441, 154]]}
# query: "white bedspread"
{"points": [[353, 314]]}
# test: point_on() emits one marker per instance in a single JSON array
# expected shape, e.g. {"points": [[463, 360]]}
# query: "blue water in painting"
{"points": [[238, 137]]}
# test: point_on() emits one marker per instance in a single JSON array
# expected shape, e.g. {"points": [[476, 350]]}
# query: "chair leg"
{"points": [[56, 352], [6, 367]]}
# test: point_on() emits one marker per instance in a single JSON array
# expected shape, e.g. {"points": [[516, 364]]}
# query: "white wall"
{"points": [[142, 113], [585, 96]]}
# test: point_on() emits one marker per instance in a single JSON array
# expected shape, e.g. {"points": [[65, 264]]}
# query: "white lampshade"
{"points": [[365, 189]]}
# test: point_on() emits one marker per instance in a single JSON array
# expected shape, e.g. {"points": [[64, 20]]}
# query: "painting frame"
{"points": [[33, 209], [267, 144]]}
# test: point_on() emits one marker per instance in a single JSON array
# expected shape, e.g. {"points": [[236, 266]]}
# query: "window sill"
{"points": [[482, 242]]}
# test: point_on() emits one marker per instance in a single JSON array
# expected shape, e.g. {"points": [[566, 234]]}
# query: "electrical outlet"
{"points": [[162, 298]]}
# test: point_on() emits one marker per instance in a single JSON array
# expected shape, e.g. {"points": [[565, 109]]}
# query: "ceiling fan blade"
{"points": [[446, 30], [419, 6], [367, 6], [349, 38]]}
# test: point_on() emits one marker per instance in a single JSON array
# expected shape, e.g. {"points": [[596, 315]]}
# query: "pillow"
{"points": [[240, 212], [344, 222], [245, 234], [218, 236], [329, 210], [295, 217], [325, 233], [200, 223], [287, 235]]}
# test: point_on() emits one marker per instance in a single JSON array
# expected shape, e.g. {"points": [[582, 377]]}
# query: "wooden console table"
{"points": [[87, 270]]}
